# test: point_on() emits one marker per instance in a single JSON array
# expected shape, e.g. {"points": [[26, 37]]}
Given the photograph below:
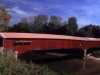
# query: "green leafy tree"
{"points": [[22, 26], [72, 25], [56, 20], [54, 24], [81, 33], [86, 31], [96, 31], [37, 23]]}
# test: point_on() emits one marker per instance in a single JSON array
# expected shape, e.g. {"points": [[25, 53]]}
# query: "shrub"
{"points": [[10, 66]]}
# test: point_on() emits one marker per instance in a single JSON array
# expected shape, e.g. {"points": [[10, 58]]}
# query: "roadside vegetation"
{"points": [[10, 66]]}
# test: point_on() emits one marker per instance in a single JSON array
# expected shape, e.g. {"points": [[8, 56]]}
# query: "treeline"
{"points": [[45, 24], [55, 25]]}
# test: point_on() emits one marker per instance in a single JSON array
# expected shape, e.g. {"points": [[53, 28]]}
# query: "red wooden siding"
{"points": [[92, 44], [47, 44], [8, 43], [23, 42]]}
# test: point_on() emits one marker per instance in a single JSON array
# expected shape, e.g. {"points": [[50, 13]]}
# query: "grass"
{"points": [[9, 66], [45, 71]]}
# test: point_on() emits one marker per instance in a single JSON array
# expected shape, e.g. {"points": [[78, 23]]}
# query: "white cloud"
{"points": [[86, 13], [19, 11], [91, 11], [38, 9]]}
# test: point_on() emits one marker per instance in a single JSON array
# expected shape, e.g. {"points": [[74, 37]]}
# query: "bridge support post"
{"points": [[84, 54], [1, 51], [16, 55]]}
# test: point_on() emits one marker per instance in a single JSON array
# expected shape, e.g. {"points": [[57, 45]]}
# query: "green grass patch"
{"points": [[10, 66]]}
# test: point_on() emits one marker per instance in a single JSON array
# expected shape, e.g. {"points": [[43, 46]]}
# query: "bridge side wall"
{"points": [[47, 44], [41, 44], [92, 44]]}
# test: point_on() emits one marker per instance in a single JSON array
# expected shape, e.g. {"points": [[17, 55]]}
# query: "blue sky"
{"points": [[86, 11]]}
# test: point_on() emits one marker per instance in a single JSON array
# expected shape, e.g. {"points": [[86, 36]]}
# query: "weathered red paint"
{"points": [[48, 44]]}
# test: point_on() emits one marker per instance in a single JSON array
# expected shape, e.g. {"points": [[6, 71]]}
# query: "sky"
{"points": [[86, 11]]}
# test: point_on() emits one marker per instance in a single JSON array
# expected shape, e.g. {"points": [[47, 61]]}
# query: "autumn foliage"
{"points": [[4, 16]]}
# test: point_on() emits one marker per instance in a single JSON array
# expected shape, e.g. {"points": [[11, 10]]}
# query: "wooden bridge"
{"points": [[24, 42]]}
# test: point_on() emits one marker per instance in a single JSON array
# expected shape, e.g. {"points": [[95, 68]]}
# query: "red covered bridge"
{"points": [[24, 42]]}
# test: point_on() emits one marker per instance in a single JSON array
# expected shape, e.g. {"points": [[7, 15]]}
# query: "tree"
{"points": [[96, 31], [54, 24], [4, 16], [72, 25], [86, 31], [56, 20], [24, 20], [81, 33], [22, 26], [37, 23]]}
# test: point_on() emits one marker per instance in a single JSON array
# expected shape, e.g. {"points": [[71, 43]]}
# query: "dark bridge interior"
{"points": [[52, 55], [1, 42]]}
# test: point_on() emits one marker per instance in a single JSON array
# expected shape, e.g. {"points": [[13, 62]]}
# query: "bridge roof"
{"points": [[44, 36]]}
